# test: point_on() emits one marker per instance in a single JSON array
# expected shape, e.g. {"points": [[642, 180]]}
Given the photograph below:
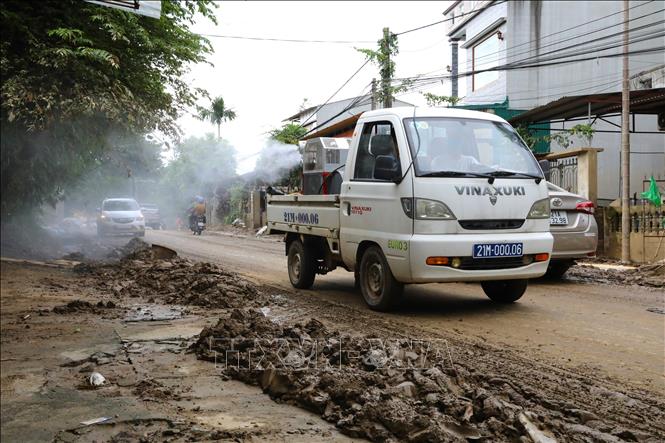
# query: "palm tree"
{"points": [[217, 113]]}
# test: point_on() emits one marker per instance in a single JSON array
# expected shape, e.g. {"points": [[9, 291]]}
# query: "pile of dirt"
{"points": [[135, 249], [82, 306], [175, 281], [650, 275], [390, 389], [154, 391]]}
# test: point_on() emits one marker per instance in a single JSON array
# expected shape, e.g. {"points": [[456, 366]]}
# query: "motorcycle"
{"points": [[198, 224]]}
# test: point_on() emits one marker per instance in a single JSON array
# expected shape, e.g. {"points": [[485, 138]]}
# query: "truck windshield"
{"points": [[443, 146]]}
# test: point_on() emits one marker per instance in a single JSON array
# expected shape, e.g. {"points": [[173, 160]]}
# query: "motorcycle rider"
{"points": [[196, 210]]}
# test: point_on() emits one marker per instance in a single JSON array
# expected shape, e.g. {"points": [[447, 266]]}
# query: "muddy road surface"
{"points": [[214, 344], [598, 329]]}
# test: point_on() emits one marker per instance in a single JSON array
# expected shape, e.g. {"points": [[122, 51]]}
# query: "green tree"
{"points": [[217, 113], [76, 76], [383, 59], [290, 133], [438, 100]]}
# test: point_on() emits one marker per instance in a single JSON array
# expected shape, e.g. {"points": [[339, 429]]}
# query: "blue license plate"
{"points": [[495, 250]]}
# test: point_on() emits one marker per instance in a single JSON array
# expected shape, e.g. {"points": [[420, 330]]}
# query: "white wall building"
{"points": [[523, 44]]}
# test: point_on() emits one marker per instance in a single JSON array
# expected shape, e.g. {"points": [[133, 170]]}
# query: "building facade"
{"points": [[518, 55]]}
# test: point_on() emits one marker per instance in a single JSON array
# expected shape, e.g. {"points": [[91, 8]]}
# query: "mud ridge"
{"points": [[397, 389]]}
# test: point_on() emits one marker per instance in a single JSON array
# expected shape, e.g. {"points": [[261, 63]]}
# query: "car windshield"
{"points": [[120, 205], [443, 146]]}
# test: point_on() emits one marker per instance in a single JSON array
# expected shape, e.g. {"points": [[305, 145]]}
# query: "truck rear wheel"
{"points": [[504, 291], [377, 284], [302, 265]]}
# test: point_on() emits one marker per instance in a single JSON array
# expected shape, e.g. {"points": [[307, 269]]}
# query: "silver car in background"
{"points": [[152, 217], [120, 216], [573, 227]]}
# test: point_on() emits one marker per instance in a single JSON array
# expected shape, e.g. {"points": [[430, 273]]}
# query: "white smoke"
{"points": [[276, 159]]}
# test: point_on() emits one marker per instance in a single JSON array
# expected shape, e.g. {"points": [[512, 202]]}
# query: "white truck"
{"points": [[428, 195]]}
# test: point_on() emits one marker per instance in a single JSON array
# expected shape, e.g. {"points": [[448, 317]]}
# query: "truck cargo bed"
{"points": [[305, 214]]}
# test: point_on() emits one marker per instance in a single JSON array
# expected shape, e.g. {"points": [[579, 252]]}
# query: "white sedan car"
{"points": [[120, 216]]}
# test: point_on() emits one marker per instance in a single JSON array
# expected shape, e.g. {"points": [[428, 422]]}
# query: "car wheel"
{"points": [[504, 291], [377, 283], [301, 265], [557, 269]]}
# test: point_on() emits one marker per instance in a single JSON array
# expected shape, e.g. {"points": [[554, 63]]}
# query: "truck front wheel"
{"points": [[504, 291], [302, 265], [377, 284]]}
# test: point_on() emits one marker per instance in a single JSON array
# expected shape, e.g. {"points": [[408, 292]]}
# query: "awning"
{"points": [[331, 131], [644, 101]]}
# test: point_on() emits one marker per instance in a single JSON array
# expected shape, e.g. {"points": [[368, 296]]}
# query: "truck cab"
{"points": [[435, 195]]}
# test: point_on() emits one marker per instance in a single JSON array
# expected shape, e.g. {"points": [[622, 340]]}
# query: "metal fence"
{"points": [[647, 221], [563, 173]]}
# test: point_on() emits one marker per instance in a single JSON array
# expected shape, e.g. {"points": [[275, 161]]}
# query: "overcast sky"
{"points": [[265, 82]]}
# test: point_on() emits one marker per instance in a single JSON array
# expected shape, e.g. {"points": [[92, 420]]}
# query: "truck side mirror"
{"points": [[387, 168]]}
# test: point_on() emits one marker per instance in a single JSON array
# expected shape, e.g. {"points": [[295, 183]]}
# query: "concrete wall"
{"points": [[643, 248]]}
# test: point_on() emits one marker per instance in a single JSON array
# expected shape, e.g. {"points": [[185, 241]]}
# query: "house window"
{"points": [[485, 55]]}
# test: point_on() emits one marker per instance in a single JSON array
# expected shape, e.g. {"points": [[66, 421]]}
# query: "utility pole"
{"points": [[385, 70], [373, 94], [625, 145], [454, 68], [130, 176]]}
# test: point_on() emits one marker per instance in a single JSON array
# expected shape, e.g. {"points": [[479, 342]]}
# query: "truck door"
{"points": [[371, 206]]}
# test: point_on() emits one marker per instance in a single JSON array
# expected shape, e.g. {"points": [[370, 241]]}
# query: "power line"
{"points": [[577, 45], [520, 97], [335, 93], [353, 104], [563, 40], [570, 29], [523, 63], [452, 18], [284, 40], [513, 66], [602, 47], [612, 83]]}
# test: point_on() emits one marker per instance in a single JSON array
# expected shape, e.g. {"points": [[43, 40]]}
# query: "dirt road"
{"points": [[599, 330], [571, 362]]}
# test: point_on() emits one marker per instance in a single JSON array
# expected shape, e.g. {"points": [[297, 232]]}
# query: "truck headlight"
{"points": [[427, 209], [540, 209], [139, 218]]}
